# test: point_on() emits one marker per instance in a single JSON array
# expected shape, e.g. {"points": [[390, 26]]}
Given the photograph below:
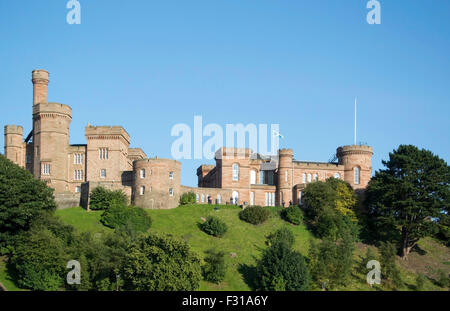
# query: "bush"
{"points": [[161, 263], [283, 235], [254, 214], [214, 226], [389, 269], [127, 218], [188, 198], [420, 282], [215, 268], [102, 199], [443, 279], [293, 214], [282, 269], [22, 197]]}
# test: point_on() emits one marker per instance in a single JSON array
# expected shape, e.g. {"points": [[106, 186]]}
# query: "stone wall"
{"points": [[67, 200]]}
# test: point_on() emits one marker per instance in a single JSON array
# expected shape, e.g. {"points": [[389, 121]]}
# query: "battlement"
{"points": [[49, 108], [110, 132], [316, 165], [285, 152], [155, 160], [40, 76], [231, 152], [202, 170], [354, 149], [14, 129], [136, 153]]}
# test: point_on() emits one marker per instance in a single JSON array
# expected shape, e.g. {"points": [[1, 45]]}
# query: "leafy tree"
{"points": [[161, 263], [318, 197], [370, 255], [403, 199], [188, 198], [345, 202], [215, 268], [22, 197], [281, 268], [214, 226], [282, 235], [389, 270], [131, 219], [102, 199], [40, 260], [254, 214], [293, 214]]}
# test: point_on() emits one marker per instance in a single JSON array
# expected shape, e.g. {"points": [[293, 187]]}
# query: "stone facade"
{"points": [[239, 176]]}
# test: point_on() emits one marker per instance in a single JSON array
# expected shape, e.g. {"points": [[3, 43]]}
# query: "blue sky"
{"points": [[148, 65]]}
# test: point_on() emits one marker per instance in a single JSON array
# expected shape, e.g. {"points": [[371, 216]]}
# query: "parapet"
{"points": [[52, 108], [202, 170], [13, 129], [285, 152], [40, 76], [354, 149], [136, 153], [231, 152], [96, 131]]}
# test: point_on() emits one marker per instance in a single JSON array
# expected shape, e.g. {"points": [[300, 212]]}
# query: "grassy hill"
{"points": [[243, 244]]}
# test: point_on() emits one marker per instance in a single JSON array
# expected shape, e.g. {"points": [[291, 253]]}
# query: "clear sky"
{"points": [[148, 65]]}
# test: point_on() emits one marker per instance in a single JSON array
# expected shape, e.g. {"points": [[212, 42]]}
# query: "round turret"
{"points": [[285, 178], [357, 161], [14, 147]]}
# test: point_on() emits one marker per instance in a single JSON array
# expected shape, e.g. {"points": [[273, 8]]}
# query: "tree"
{"points": [[214, 226], [188, 198], [22, 197], [131, 219], [281, 268], [215, 268], [404, 199], [282, 235], [389, 269], [293, 214], [161, 263], [102, 199], [254, 214]]}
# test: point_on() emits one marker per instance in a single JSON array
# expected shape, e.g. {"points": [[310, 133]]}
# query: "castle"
{"points": [[239, 176]]}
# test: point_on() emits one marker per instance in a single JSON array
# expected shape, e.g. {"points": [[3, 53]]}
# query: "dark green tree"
{"points": [[102, 199], [214, 226], [282, 235], [161, 263], [404, 199], [390, 272], [131, 219], [188, 198], [293, 214], [215, 268], [22, 197]]}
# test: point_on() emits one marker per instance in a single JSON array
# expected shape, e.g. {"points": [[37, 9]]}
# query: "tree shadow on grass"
{"points": [[249, 274]]}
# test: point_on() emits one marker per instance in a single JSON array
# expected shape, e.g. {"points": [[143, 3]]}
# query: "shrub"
{"points": [[254, 214], [420, 282], [102, 199], [161, 263], [281, 268], [215, 268], [293, 214], [283, 235], [188, 198], [22, 197], [214, 226], [389, 269], [128, 218], [443, 279]]}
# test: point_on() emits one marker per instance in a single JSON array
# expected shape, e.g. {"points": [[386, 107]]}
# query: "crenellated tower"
{"points": [[14, 146], [285, 177], [357, 161]]}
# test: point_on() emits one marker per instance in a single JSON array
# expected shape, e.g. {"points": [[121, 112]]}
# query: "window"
{"points": [[235, 172], [197, 198], [286, 176], [252, 198], [270, 177], [281, 198], [102, 173], [304, 178], [356, 175], [252, 177], [77, 158], [261, 177], [219, 199], [142, 190], [270, 198], [309, 178], [203, 198], [45, 169], [103, 153], [300, 194], [316, 177], [235, 197], [78, 175], [337, 175], [142, 173], [171, 192], [170, 175], [77, 189]]}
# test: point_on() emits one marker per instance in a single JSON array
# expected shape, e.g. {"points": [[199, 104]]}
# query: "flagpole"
{"points": [[355, 123]]}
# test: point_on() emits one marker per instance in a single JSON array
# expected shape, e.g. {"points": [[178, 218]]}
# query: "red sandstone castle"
{"points": [[239, 176]]}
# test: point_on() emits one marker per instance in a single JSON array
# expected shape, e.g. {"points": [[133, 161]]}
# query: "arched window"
{"points": [[300, 194], [309, 178], [316, 177], [235, 171], [357, 171], [235, 196], [142, 173], [197, 198], [252, 177], [337, 175], [286, 176], [304, 178], [203, 198]]}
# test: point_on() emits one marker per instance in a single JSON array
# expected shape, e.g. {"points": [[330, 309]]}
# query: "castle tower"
{"points": [[40, 83], [14, 146], [357, 161], [51, 123], [285, 178]]}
